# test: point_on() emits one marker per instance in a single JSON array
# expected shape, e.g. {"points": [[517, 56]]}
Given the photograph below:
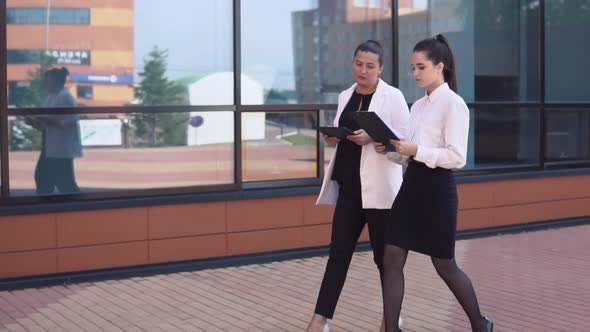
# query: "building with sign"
{"points": [[92, 39]]}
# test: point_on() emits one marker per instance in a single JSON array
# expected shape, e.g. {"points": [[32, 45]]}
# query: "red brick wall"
{"points": [[77, 241]]}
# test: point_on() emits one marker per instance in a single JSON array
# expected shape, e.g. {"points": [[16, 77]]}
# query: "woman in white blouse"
{"points": [[424, 213]]}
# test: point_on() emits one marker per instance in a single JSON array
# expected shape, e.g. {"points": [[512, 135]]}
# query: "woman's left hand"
{"points": [[405, 148], [360, 137]]}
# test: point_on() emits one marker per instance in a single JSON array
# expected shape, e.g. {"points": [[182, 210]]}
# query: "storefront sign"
{"points": [[70, 57], [106, 79]]}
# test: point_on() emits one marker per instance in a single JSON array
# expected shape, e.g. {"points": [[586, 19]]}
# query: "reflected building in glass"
{"points": [[496, 50], [94, 40], [324, 41]]}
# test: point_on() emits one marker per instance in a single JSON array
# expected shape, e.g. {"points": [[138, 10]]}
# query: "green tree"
{"points": [[155, 89], [34, 94], [22, 135]]}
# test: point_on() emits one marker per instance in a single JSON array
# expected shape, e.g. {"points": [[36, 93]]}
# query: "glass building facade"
{"points": [[191, 96]]}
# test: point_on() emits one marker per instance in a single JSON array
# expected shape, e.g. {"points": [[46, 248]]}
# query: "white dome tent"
{"points": [[217, 127]]}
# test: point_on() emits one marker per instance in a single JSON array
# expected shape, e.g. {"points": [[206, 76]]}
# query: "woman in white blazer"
{"points": [[61, 138], [361, 182]]}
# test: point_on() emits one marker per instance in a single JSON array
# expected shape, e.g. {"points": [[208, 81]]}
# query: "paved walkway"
{"points": [[538, 281]]}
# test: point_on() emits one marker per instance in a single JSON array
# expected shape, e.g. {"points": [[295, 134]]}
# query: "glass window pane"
{"points": [[495, 43], [70, 153], [121, 54], [566, 51], [503, 137], [279, 145], [306, 56], [567, 135]]}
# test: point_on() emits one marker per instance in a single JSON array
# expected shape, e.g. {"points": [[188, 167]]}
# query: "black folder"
{"points": [[376, 128], [340, 132]]}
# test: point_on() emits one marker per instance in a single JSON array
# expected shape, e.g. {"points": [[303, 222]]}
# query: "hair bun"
{"points": [[374, 42]]}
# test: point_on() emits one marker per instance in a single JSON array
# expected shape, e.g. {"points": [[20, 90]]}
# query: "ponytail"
{"points": [[449, 71], [438, 50]]}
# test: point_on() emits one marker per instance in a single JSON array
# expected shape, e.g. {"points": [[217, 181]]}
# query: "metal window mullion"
{"points": [[237, 40], [4, 168], [122, 109], [319, 150], [395, 44], [543, 113]]}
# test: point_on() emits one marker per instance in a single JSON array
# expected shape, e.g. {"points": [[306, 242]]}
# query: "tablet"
{"points": [[376, 128], [340, 132]]}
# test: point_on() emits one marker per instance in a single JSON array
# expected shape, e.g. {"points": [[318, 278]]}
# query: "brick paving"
{"points": [[537, 281]]}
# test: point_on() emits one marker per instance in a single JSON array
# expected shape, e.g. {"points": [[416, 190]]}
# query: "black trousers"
{"points": [[55, 172], [348, 222]]}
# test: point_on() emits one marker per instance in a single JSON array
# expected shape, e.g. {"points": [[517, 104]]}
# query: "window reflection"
{"points": [[53, 15], [565, 49], [130, 151], [501, 137], [279, 145], [567, 135], [306, 56], [495, 44], [112, 49]]}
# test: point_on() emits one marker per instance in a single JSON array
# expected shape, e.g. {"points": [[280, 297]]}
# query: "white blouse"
{"points": [[439, 125]]}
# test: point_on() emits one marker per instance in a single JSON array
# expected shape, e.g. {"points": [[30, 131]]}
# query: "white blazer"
{"points": [[380, 178], [62, 131]]}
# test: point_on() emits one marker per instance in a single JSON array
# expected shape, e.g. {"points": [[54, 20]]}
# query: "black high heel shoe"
{"points": [[488, 324]]}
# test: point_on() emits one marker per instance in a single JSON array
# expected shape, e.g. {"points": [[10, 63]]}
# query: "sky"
{"points": [[422, 4], [197, 34]]}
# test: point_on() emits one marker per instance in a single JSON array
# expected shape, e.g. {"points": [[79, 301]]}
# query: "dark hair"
{"points": [[437, 50], [58, 74], [372, 46]]}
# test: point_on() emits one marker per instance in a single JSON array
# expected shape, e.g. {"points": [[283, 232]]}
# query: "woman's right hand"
{"points": [[405, 148], [380, 148], [331, 140]]}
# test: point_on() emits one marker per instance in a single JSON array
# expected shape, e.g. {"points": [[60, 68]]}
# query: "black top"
{"points": [[348, 154]]}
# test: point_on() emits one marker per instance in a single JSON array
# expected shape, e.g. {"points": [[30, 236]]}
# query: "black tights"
{"points": [[393, 287]]}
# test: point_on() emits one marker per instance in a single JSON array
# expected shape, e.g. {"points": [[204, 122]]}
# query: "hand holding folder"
{"points": [[376, 128], [340, 132]]}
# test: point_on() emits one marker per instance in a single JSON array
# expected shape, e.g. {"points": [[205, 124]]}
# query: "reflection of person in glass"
{"points": [[362, 182], [424, 214], [61, 137]]}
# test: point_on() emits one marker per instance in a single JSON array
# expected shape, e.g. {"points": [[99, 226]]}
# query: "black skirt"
{"points": [[424, 213]]}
